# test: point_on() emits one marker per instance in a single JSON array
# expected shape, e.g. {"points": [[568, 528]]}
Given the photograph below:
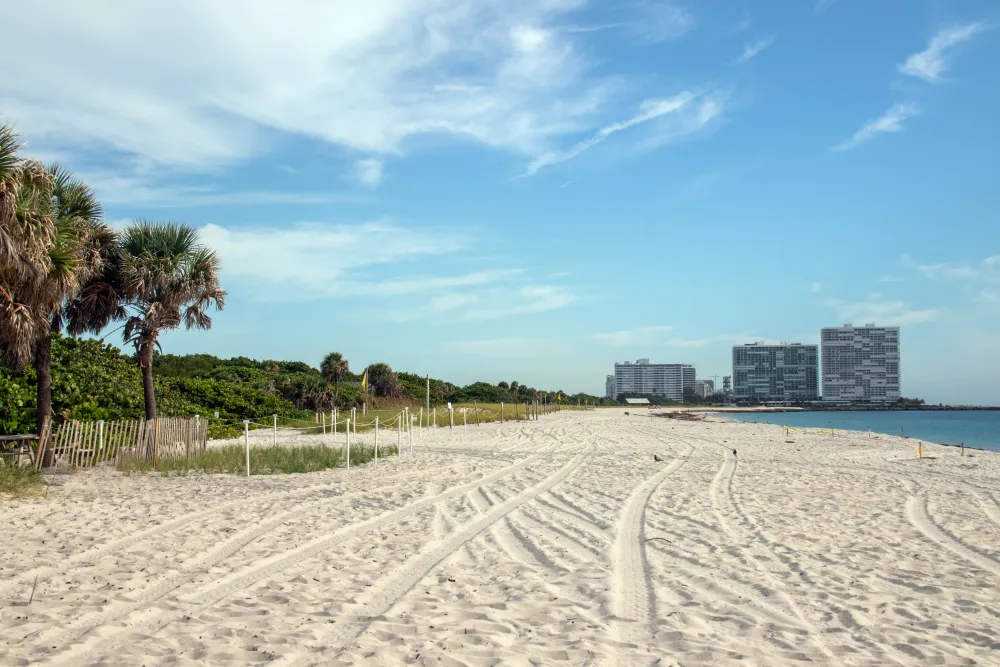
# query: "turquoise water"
{"points": [[976, 428]]}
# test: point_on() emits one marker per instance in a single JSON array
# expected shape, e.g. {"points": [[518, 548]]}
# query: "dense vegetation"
{"points": [[91, 380]]}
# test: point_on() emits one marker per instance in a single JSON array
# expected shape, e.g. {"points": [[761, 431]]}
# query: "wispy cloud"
{"points": [[499, 298], [498, 72], [987, 269], [752, 49], [880, 311], [147, 191], [639, 336], [889, 278], [369, 171], [319, 260], [823, 5], [816, 288], [891, 121], [932, 62], [690, 111]]}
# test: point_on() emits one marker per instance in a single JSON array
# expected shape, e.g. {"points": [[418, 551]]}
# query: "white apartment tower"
{"points": [[609, 387], [667, 380], [783, 373], [860, 364]]}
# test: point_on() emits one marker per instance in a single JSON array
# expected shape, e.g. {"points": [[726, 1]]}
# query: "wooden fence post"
{"points": [[376, 439], [501, 412], [246, 441], [348, 443]]}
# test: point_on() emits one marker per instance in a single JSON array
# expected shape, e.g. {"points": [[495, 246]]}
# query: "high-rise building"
{"points": [[704, 388], [609, 387], [776, 373], [860, 364], [666, 380]]}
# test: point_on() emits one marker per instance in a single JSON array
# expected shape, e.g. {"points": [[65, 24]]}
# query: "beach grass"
{"points": [[19, 481], [273, 460]]}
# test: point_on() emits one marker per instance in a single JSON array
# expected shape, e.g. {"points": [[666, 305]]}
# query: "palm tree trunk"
{"points": [[43, 371], [148, 391]]}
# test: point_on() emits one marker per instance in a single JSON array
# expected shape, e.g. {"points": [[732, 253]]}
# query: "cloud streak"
{"points": [[891, 121], [931, 63], [752, 49], [690, 111], [369, 172], [882, 312]]}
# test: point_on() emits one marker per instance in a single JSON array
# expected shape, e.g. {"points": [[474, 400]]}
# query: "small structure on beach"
{"points": [[637, 401]]}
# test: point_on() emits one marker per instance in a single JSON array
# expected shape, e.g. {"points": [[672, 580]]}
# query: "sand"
{"points": [[559, 541]]}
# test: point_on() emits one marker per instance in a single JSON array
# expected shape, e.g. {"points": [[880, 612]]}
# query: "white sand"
{"points": [[558, 541]]}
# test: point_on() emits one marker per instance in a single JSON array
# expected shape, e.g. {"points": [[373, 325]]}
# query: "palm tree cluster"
{"points": [[63, 268]]}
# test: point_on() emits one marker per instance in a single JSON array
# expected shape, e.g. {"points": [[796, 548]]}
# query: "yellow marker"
{"points": [[920, 451]]}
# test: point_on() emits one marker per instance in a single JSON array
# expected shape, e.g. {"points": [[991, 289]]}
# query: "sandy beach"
{"points": [[560, 541]]}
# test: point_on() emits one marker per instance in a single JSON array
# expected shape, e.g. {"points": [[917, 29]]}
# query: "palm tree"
{"points": [[382, 381], [53, 241], [514, 386], [160, 276], [333, 368]]}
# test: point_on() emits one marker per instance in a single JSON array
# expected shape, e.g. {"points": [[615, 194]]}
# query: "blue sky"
{"points": [[505, 189]]}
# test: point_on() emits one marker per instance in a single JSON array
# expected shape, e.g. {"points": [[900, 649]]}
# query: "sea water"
{"points": [[975, 428]]}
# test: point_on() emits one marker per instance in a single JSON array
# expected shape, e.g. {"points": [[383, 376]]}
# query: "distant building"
{"points": [[704, 388], [776, 373], [609, 387], [642, 377], [727, 385], [860, 364]]}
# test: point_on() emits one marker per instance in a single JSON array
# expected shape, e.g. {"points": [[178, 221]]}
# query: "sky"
{"points": [[532, 190]]}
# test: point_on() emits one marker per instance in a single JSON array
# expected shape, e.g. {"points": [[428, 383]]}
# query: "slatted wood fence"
{"points": [[81, 444]]}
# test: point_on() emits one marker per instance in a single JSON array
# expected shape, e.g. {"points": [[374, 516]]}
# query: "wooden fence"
{"points": [[81, 444]]}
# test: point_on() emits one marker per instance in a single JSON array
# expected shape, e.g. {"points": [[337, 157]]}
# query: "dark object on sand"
{"points": [[657, 458], [626, 413], [734, 452]]}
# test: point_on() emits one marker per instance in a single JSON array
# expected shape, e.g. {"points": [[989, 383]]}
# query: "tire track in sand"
{"points": [[255, 573], [380, 598], [919, 518], [723, 481], [632, 593]]}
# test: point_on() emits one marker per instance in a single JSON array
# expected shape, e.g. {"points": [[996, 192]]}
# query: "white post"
{"points": [[465, 420], [501, 412], [275, 439], [246, 440], [451, 420], [355, 422], [100, 435], [348, 443], [435, 417], [410, 425], [376, 439], [335, 421], [364, 408], [324, 422], [420, 424], [399, 435]]}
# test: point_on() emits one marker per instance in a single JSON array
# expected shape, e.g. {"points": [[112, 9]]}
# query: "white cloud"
{"points": [[364, 76], [948, 270], [816, 288], [329, 260], [889, 278], [890, 121], [823, 5], [752, 49], [498, 298], [932, 62], [639, 336], [369, 171], [881, 312], [686, 112]]}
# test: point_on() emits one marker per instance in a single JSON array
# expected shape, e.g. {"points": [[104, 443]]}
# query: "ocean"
{"points": [[976, 428]]}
